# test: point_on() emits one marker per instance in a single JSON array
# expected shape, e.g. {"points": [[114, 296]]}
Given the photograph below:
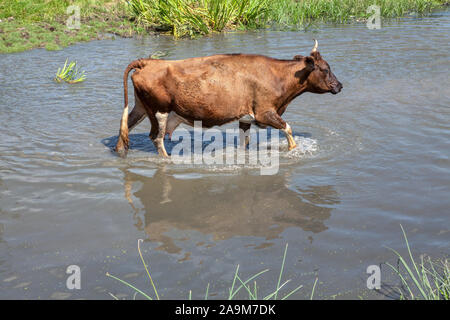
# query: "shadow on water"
{"points": [[142, 142], [225, 206]]}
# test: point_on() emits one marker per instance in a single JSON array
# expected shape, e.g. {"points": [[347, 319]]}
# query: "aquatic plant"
{"points": [[70, 73], [431, 279], [148, 274], [237, 285]]}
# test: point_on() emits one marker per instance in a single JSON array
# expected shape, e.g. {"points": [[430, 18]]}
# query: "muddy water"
{"points": [[368, 159]]}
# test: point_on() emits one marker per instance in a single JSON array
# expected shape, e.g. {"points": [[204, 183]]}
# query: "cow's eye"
{"points": [[326, 71]]}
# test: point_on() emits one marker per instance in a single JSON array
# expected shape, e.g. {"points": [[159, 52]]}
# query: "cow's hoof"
{"points": [[163, 154], [122, 153]]}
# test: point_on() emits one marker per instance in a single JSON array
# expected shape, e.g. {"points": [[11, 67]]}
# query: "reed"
{"points": [[70, 73], [30, 24], [197, 17], [238, 284], [422, 279], [200, 17]]}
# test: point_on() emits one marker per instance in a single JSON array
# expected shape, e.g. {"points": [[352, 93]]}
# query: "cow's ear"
{"points": [[309, 63], [298, 57]]}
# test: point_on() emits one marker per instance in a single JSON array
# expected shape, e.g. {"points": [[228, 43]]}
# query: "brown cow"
{"points": [[219, 89]]}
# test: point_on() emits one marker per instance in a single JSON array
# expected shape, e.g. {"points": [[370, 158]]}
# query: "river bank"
{"points": [[25, 25]]}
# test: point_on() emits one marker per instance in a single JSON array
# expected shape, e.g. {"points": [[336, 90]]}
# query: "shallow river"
{"points": [[368, 159]]}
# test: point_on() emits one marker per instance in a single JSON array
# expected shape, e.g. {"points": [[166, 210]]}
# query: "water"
{"points": [[369, 159]]}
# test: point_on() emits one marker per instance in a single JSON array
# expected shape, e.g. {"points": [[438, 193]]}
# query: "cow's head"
{"points": [[320, 79]]}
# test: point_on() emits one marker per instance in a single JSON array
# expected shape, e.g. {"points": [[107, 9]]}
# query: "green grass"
{"points": [[70, 73], [238, 284], [27, 24], [200, 17], [423, 279]]}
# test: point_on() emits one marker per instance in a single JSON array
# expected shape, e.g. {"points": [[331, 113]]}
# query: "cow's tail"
{"points": [[123, 140]]}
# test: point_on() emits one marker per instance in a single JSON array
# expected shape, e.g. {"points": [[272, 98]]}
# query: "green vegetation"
{"points": [[237, 285], [199, 17], [70, 73], [191, 17], [430, 279], [26, 24]]}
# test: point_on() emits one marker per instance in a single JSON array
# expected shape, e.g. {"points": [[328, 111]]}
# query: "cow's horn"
{"points": [[316, 44]]}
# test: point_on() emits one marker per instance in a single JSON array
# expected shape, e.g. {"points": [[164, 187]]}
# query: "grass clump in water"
{"points": [[70, 73], [238, 284], [429, 279]]}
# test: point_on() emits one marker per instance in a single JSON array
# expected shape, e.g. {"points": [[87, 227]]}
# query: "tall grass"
{"points": [[200, 17], [27, 24], [193, 17], [424, 279], [238, 284]]}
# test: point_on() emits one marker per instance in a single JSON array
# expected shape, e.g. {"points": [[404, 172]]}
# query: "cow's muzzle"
{"points": [[337, 88]]}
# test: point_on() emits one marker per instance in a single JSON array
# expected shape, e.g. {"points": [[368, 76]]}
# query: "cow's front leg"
{"points": [[244, 134], [272, 119], [288, 132], [159, 139]]}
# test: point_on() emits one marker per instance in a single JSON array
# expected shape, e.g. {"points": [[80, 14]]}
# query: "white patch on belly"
{"points": [[248, 118]]}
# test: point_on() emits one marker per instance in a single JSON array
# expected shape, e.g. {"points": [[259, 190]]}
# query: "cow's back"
{"points": [[215, 89]]}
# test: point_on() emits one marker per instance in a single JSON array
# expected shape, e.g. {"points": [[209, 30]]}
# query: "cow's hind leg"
{"points": [[274, 120], [137, 114]]}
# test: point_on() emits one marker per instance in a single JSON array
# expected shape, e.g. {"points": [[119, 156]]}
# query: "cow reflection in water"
{"points": [[225, 206]]}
